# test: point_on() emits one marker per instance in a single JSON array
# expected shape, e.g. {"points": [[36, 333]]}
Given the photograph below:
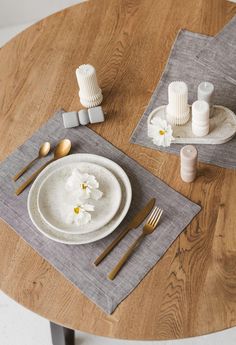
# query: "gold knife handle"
{"points": [[31, 178], [125, 257], [111, 246], [23, 170]]}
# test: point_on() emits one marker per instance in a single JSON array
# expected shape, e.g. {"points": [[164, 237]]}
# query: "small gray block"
{"points": [[96, 114], [70, 119], [83, 117]]}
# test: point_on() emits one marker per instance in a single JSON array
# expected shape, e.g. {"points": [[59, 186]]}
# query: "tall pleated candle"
{"points": [[200, 118], [205, 92], [188, 163], [177, 110], [89, 92]]}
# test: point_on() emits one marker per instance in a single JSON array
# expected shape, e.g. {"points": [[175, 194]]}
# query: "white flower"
{"points": [[84, 185], [79, 215], [160, 131]]}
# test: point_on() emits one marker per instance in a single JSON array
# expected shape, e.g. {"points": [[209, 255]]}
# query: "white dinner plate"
{"points": [[66, 238], [54, 201]]}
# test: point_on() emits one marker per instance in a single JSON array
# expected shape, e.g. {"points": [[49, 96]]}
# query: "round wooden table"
{"points": [[192, 289]]}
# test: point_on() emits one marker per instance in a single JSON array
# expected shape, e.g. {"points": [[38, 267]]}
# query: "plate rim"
{"points": [[72, 241], [73, 231]]}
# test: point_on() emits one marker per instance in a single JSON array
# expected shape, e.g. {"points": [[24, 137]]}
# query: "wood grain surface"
{"points": [[192, 289]]}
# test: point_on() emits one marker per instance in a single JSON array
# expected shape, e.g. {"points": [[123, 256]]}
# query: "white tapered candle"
{"points": [[205, 92]]}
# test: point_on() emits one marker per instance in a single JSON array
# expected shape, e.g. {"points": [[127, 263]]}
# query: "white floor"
{"points": [[19, 326], [15, 16]]}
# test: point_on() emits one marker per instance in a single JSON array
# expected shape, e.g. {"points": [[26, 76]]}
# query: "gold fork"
{"points": [[148, 228]]}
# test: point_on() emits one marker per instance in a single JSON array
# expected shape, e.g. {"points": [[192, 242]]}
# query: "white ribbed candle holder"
{"points": [[178, 110], [200, 118], [89, 92]]}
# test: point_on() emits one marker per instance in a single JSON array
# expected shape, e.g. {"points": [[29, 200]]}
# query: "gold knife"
{"points": [[135, 222]]}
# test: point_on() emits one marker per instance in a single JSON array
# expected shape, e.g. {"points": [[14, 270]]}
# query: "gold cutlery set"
{"points": [[62, 149], [43, 152], [148, 228]]}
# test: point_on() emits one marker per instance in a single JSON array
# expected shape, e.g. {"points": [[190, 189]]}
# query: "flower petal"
{"points": [[156, 120], [84, 177], [87, 207], [73, 180], [96, 194], [82, 218], [92, 182], [161, 132], [70, 217]]}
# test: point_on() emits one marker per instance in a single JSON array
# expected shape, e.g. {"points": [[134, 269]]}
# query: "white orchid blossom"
{"points": [[160, 131], [79, 214], [84, 185]]}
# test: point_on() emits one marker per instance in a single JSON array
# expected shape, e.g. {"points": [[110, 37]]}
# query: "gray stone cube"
{"points": [[83, 117], [70, 119], [96, 114]]}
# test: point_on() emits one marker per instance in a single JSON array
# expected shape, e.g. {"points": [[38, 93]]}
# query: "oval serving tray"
{"points": [[222, 127]]}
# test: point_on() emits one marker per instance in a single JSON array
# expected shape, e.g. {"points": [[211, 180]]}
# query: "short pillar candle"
{"points": [[178, 110], [188, 163], [205, 92], [200, 118], [89, 91]]}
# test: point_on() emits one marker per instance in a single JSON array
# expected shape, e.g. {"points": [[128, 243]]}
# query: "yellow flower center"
{"points": [[83, 186], [162, 132], [76, 209]]}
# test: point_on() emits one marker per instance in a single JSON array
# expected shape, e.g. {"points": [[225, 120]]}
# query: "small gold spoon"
{"points": [[61, 150], [43, 151]]}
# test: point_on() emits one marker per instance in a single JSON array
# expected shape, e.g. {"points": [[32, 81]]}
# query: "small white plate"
{"points": [[75, 239], [54, 199], [222, 127]]}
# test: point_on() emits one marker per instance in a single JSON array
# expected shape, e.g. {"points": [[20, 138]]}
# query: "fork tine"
{"points": [[152, 215], [158, 218], [155, 216]]}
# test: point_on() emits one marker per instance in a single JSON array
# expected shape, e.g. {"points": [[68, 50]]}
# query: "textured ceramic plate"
{"points": [[222, 127], [54, 201], [66, 238]]}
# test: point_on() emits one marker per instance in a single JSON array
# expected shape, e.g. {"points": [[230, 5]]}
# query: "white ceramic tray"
{"points": [[222, 127]]}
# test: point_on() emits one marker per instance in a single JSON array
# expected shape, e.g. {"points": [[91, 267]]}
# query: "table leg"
{"points": [[62, 335]]}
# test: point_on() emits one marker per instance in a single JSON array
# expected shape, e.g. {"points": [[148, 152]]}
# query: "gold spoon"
{"points": [[61, 150], [43, 151]]}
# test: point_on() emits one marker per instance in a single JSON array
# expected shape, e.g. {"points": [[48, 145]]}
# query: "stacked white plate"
{"points": [[47, 197]]}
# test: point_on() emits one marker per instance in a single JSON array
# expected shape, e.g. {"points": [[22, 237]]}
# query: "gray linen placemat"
{"points": [[75, 262], [220, 54], [183, 66]]}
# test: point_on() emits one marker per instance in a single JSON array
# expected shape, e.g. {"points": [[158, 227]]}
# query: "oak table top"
{"points": [[192, 289]]}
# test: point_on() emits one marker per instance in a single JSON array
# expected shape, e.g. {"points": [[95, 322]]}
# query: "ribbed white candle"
{"points": [[200, 118], [178, 109], [90, 93]]}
